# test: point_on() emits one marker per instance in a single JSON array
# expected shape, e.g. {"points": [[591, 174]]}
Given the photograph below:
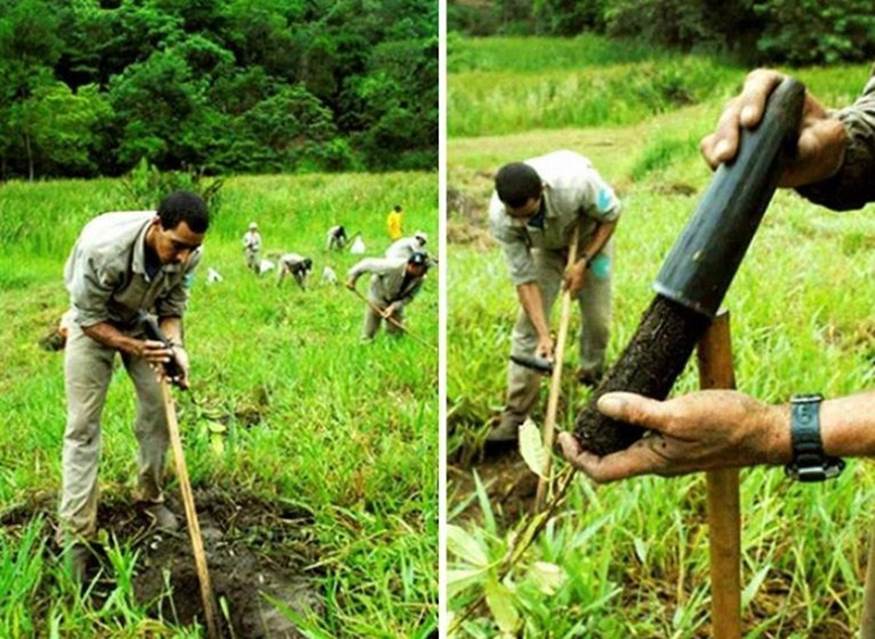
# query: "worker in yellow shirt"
{"points": [[393, 223]]}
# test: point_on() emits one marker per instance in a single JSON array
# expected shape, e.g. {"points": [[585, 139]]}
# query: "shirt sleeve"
{"points": [[376, 265], [852, 187], [91, 283], [596, 198], [514, 244], [174, 302]]}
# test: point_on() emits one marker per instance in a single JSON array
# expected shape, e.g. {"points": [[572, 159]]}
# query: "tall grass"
{"points": [[632, 557], [314, 416], [506, 85]]}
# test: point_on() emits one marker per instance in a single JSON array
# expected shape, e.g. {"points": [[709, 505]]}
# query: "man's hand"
{"points": [[822, 138], [152, 351], [705, 430], [390, 310], [545, 347], [574, 277], [181, 357], [350, 284]]}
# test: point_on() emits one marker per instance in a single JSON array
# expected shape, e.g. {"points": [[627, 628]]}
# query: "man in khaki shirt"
{"points": [[122, 264], [533, 212], [395, 282]]}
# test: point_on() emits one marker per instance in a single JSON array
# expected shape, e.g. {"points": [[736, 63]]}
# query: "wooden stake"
{"points": [[194, 529], [556, 380], [724, 513], [867, 623]]}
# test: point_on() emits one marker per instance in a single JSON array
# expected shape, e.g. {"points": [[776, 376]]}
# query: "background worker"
{"points": [[706, 430], [394, 283], [394, 223], [336, 238], [252, 248], [407, 246], [122, 264], [297, 266], [534, 210]]}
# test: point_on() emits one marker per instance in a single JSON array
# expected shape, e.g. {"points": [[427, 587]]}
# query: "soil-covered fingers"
{"points": [[636, 409], [641, 458]]}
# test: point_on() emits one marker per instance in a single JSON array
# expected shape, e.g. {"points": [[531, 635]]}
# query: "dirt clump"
{"points": [[257, 553]]}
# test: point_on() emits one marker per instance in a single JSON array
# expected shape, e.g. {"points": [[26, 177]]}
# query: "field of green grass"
{"points": [[342, 430], [631, 559], [506, 85]]}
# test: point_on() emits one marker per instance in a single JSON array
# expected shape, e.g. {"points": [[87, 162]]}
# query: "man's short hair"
{"points": [[184, 206], [397, 208], [516, 183]]}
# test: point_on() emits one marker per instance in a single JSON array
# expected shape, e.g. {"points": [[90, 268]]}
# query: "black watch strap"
{"points": [[809, 463]]}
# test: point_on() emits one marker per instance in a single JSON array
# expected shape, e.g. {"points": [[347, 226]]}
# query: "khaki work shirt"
{"points": [[573, 190], [387, 283], [106, 275]]}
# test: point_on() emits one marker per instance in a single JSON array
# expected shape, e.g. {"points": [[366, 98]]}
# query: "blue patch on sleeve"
{"points": [[604, 200], [188, 280]]}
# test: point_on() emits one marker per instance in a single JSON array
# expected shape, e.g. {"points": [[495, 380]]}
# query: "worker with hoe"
{"points": [[252, 248], [122, 264], [535, 208], [394, 283], [707, 430]]}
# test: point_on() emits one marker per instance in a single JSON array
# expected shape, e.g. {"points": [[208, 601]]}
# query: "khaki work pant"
{"points": [[594, 300], [252, 260], [88, 370], [373, 319]]}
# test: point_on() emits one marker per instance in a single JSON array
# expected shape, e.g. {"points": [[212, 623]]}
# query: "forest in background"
{"points": [[92, 87], [795, 32]]}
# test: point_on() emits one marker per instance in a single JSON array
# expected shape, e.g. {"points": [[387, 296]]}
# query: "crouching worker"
{"points": [[394, 282], [297, 266], [122, 264], [336, 238]]}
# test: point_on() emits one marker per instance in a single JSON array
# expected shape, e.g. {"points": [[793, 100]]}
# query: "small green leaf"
{"points": [[459, 580], [532, 449], [217, 444], [547, 577], [751, 589], [464, 546], [640, 549], [216, 427], [500, 603]]}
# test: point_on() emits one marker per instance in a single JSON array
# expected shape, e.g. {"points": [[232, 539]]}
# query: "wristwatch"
{"points": [[809, 463]]}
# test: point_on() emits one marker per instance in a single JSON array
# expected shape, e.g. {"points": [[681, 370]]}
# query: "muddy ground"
{"points": [[257, 551]]}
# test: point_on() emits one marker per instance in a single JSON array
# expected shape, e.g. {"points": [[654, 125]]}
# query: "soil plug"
{"points": [[699, 269]]}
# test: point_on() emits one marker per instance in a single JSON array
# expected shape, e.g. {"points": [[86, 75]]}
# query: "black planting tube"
{"points": [[699, 269]]}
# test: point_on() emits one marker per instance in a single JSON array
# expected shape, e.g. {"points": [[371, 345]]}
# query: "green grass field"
{"points": [[631, 559], [345, 430]]}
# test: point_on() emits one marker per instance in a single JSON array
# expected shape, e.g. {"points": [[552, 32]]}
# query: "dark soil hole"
{"points": [[257, 554]]}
